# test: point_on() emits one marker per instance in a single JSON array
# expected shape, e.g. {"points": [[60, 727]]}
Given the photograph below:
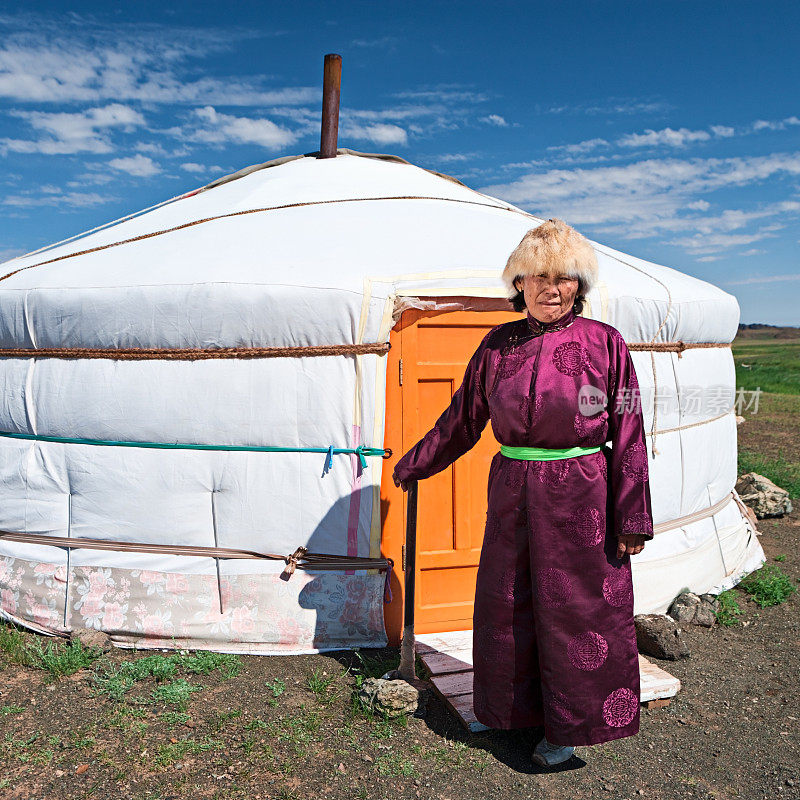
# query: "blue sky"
{"points": [[668, 130]]}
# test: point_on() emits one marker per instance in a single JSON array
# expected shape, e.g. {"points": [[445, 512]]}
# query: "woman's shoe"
{"points": [[548, 755]]}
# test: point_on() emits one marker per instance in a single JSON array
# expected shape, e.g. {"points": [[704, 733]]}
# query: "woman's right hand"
{"points": [[402, 484]]}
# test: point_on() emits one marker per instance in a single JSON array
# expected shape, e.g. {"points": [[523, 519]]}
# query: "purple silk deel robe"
{"points": [[554, 642]]}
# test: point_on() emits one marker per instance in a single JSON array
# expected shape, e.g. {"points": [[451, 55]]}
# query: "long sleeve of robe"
{"points": [[460, 426], [553, 636]]}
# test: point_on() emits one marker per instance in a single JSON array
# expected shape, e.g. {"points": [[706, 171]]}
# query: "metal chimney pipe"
{"points": [[331, 89]]}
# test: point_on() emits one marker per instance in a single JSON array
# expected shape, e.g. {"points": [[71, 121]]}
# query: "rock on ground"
{"points": [[92, 638], [658, 635], [689, 608], [394, 697], [763, 496]]}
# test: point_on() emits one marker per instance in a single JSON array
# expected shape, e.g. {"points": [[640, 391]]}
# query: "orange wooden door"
{"points": [[434, 351]]}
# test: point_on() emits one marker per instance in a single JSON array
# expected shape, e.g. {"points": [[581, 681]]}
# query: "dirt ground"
{"points": [[731, 732]]}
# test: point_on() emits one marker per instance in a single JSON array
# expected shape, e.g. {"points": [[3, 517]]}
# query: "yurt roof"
{"points": [[310, 223]]}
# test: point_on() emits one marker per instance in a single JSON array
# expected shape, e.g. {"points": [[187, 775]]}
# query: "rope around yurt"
{"points": [[301, 558], [196, 353]]}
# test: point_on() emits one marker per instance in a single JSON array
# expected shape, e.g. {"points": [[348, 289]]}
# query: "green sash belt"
{"points": [[545, 453]]}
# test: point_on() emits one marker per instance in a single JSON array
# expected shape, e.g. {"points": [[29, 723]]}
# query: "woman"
{"points": [[554, 642]]}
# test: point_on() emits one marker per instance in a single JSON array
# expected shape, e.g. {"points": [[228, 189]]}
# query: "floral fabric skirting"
{"points": [[249, 613]]}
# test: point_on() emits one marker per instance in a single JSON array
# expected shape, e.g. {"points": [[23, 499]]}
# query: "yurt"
{"points": [[202, 405]]}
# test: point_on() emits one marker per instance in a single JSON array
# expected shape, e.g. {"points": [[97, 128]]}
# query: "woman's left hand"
{"points": [[631, 543]]}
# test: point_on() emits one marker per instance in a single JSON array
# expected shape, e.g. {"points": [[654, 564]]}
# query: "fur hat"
{"points": [[553, 247]]}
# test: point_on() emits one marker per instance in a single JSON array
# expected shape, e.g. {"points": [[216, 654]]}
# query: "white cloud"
{"points": [[580, 148], [380, 133], [152, 148], [792, 276], [393, 125], [450, 158], [428, 111], [46, 64], [723, 131], [657, 196], [139, 166], [775, 125], [713, 242], [198, 169], [215, 128], [667, 136], [445, 93], [614, 106], [56, 199], [398, 114], [73, 132], [93, 177]]}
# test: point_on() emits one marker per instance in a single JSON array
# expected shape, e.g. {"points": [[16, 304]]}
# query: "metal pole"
{"points": [[331, 89], [407, 657]]}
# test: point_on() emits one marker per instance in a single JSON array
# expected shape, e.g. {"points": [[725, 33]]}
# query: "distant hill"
{"points": [[761, 330]]}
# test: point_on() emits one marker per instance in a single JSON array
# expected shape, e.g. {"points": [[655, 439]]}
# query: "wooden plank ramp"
{"points": [[448, 659]]}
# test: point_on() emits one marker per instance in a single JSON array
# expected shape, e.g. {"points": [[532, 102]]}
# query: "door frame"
{"points": [[392, 499]]}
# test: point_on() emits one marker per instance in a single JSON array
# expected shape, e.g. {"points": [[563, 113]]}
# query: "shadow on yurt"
{"points": [[203, 405]]}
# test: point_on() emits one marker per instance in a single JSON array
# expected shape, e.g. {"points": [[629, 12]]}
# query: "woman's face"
{"points": [[548, 298]]}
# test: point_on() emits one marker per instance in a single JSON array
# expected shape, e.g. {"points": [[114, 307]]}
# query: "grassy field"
{"points": [[772, 365], [769, 440], [768, 361]]}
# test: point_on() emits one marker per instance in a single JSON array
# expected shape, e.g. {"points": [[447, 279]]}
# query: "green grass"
{"points": [[205, 662], [115, 681], [14, 644], [395, 765], [773, 365], [385, 727], [177, 693], [372, 665], [31, 750], [779, 469], [54, 656], [128, 719], [321, 686], [80, 739], [768, 586], [6, 710], [175, 718], [169, 754], [277, 687], [300, 731], [64, 659], [219, 719], [729, 610], [318, 683], [121, 715]]}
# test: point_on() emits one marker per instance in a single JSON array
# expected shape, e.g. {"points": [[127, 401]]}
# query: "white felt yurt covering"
{"points": [[330, 248]]}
